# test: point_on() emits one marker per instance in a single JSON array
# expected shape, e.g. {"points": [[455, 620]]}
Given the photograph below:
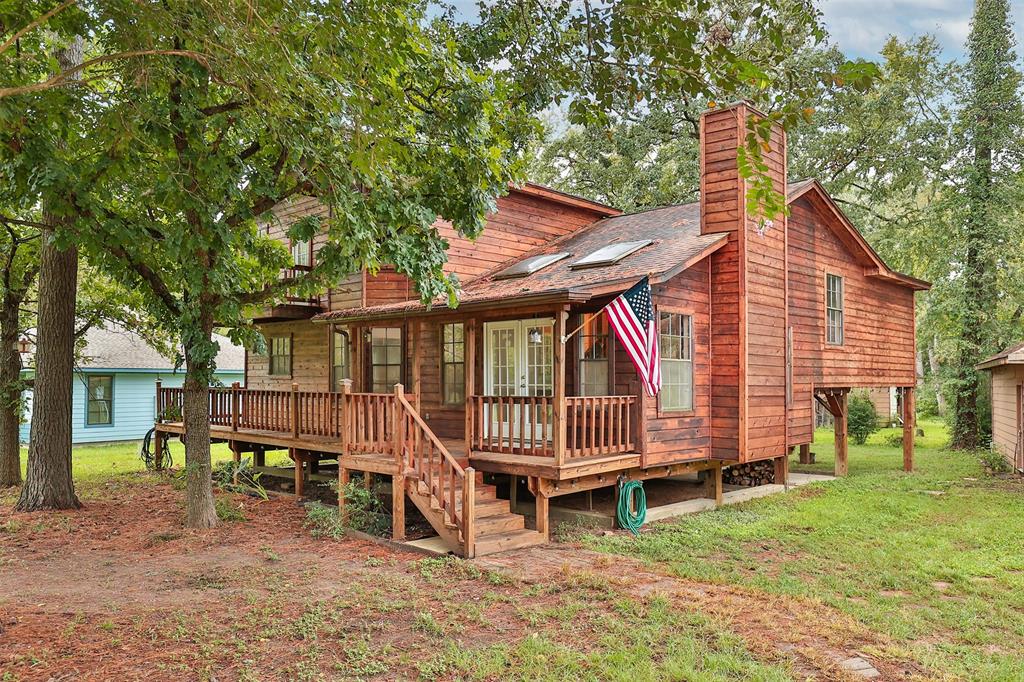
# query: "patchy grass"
{"points": [[933, 560], [99, 462]]}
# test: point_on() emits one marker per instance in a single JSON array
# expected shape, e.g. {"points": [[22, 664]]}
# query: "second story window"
{"points": [[594, 355], [834, 309], [302, 253], [279, 349], [676, 346], [385, 358], [341, 358], [453, 363]]}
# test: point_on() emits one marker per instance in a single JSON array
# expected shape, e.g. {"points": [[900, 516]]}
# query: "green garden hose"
{"points": [[624, 514]]}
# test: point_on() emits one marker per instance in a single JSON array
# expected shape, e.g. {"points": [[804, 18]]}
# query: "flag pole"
{"points": [[577, 329]]}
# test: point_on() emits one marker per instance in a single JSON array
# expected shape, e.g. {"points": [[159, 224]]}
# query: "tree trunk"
{"points": [[10, 393], [200, 511], [933, 366], [48, 483]]}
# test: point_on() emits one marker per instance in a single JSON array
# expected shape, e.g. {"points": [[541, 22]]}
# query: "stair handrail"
{"points": [[467, 476]]}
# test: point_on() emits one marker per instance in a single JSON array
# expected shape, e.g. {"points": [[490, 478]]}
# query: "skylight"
{"points": [[612, 253], [530, 265]]}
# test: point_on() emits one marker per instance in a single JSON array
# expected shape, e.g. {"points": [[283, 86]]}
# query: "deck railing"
{"points": [[366, 422], [526, 425], [599, 425]]}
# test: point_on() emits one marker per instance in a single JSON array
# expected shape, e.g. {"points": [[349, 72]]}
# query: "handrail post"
{"points": [[343, 422], [469, 513], [159, 403], [295, 411], [398, 428], [469, 359], [234, 405]]}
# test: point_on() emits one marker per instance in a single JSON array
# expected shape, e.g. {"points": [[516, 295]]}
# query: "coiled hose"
{"points": [[624, 514], [148, 456]]}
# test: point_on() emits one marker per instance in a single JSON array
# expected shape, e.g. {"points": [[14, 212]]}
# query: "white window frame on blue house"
{"points": [[89, 399]]}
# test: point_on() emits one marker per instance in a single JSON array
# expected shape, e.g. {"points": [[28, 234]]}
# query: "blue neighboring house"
{"points": [[114, 392]]}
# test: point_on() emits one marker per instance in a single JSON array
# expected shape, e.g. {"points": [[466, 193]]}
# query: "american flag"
{"points": [[631, 315]]}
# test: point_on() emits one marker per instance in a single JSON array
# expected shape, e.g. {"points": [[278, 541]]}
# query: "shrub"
{"points": [[363, 507], [224, 475], [994, 462], [861, 420], [894, 439]]}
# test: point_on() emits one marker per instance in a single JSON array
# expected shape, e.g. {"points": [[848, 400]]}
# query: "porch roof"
{"points": [[676, 243]]}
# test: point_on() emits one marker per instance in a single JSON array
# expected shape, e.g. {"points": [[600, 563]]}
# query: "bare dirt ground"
{"points": [[120, 591]]}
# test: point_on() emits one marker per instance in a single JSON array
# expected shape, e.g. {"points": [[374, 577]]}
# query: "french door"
{"points": [[519, 361]]}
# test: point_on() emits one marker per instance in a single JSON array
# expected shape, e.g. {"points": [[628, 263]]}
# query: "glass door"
{"points": [[518, 361]]}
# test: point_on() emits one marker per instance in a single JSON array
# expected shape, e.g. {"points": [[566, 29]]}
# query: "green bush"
{"points": [[363, 508], [994, 462], [861, 421]]}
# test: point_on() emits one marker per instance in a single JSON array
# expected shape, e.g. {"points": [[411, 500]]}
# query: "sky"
{"points": [[861, 27]]}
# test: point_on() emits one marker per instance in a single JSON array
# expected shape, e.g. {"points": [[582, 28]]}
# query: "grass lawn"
{"points": [[97, 462], [932, 560]]}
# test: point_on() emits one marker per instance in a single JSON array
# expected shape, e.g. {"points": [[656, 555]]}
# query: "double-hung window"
{"points": [[676, 346], [594, 355], [100, 398], [385, 358], [453, 363], [834, 309], [279, 349], [302, 253]]}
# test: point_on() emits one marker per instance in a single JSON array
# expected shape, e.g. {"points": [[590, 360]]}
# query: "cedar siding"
{"points": [[878, 348]]}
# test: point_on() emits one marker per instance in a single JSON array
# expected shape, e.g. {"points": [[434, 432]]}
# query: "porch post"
{"points": [[909, 427], [416, 329], [558, 413], [469, 372]]}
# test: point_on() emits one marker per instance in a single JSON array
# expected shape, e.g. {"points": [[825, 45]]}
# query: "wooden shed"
{"points": [[1007, 387]]}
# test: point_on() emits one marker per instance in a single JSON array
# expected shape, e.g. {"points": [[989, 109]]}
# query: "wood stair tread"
{"points": [[506, 540]]}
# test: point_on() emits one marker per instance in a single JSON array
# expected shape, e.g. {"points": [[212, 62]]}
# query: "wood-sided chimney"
{"points": [[749, 293]]}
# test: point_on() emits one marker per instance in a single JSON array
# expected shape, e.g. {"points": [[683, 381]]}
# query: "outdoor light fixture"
{"points": [[535, 335]]}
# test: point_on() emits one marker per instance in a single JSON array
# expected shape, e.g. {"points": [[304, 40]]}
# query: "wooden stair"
{"points": [[497, 528]]}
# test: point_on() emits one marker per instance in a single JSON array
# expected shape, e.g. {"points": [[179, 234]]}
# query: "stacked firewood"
{"points": [[751, 474]]}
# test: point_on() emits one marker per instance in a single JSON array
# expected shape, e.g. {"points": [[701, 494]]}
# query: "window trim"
{"points": [[842, 309], [270, 355], [609, 350], [107, 425], [442, 363], [664, 411], [333, 330], [291, 251]]}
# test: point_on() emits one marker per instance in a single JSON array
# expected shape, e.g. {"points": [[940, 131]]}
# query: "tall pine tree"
{"points": [[988, 125]]}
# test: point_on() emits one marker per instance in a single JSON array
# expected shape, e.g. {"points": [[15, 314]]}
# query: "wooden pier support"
{"points": [[834, 400], [909, 428], [398, 507], [805, 454], [782, 470], [712, 479]]}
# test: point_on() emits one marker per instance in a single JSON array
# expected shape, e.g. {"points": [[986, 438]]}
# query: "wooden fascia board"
{"points": [[540, 191], [692, 260], [561, 296], [878, 267]]}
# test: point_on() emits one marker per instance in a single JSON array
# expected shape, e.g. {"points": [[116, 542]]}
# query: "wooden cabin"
{"points": [[757, 322], [1007, 393]]}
